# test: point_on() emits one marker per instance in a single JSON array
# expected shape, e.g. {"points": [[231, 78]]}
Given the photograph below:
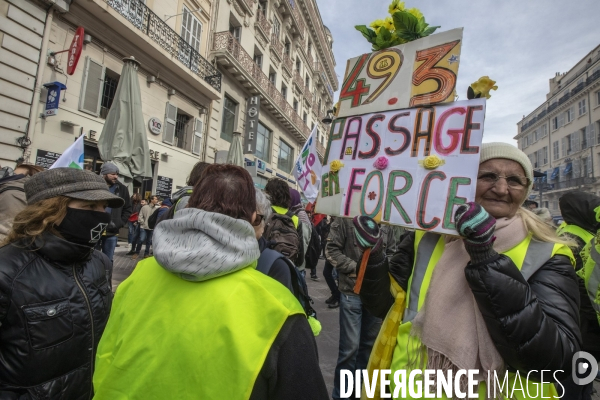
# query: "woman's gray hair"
{"points": [[263, 205]]}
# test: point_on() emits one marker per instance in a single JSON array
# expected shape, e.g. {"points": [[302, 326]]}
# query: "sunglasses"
{"points": [[513, 181], [258, 220]]}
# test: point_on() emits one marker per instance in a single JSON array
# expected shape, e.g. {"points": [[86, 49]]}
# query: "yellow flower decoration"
{"points": [[377, 24], [389, 24], [483, 86], [416, 12], [335, 165], [396, 5], [432, 162]]}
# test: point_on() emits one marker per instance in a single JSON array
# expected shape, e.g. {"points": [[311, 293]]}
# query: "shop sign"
{"points": [[46, 158], [155, 125], [164, 186], [252, 114], [75, 50], [53, 97]]}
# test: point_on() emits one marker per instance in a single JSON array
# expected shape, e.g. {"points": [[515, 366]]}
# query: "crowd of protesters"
{"points": [[218, 305]]}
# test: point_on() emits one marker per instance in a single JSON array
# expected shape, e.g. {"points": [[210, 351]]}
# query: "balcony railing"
{"points": [[224, 41], [288, 63], [263, 24], [298, 81], [297, 17], [136, 12], [569, 183], [277, 46]]}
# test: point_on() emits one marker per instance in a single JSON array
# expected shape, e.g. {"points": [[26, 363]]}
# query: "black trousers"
{"points": [[328, 275]]}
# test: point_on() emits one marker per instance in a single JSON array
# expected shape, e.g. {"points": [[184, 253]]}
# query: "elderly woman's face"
{"points": [[501, 187]]}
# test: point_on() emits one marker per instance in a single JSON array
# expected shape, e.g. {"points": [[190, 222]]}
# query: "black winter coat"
{"points": [[55, 299], [119, 216], [534, 324]]}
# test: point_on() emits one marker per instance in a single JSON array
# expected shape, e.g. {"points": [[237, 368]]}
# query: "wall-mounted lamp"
{"points": [[171, 92], [150, 79], [202, 110], [328, 118], [87, 38]]}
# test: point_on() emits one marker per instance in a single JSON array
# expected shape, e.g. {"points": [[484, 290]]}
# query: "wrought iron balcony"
{"points": [[228, 49], [263, 24], [136, 12], [298, 81], [288, 63], [277, 46], [297, 17]]}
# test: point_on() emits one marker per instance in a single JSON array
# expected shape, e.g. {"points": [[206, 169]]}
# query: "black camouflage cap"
{"points": [[69, 182]]}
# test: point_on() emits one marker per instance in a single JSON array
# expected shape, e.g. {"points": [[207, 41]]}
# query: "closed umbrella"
{"points": [[236, 152], [123, 140]]}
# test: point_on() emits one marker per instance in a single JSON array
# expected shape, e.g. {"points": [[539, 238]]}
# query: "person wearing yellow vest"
{"points": [[198, 321], [501, 298], [578, 210]]}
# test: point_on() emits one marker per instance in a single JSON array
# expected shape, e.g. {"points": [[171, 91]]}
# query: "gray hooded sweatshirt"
{"points": [[198, 245]]}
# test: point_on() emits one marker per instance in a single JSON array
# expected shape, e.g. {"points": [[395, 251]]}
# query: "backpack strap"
{"points": [[266, 260]]}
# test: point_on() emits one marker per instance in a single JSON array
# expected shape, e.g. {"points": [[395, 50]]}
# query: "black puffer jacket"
{"points": [[54, 305], [119, 216], [534, 324]]}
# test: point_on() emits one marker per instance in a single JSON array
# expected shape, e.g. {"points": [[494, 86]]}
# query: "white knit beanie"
{"points": [[509, 152]]}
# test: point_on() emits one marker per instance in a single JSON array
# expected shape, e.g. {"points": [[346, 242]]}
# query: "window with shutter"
{"points": [[191, 32], [196, 146], [91, 89], [170, 122], [564, 146], [576, 169], [591, 135]]}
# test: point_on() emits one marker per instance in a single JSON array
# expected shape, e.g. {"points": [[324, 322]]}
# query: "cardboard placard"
{"points": [[419, 73], [405, 192], [164, 187]]}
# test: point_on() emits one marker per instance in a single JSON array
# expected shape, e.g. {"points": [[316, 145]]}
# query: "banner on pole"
{"points": [[409, 167], [307, 169]]}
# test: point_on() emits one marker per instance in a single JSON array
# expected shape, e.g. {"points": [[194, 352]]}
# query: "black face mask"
{"points": [[84, 227]]}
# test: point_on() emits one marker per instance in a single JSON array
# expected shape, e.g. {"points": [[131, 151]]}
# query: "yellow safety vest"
{"points": [[528, 256], [575, 231], [590, 273], [283, 211], [168, 338]]}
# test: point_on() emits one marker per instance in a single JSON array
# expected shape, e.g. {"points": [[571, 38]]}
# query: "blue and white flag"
{"points": [[72, 157], [307, 169]]}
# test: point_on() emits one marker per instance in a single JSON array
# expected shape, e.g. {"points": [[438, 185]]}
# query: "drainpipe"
{"points": [[33, 114]]}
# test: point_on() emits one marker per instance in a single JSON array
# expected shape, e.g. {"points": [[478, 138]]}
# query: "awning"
{"points": [[568, 169], [555, 173]]}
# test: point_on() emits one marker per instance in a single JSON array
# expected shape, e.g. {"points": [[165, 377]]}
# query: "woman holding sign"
{"points": [[501, 299]]}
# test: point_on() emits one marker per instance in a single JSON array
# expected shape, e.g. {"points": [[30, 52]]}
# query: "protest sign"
{"points": [[307, 169], [419, 73], [409, 167]]}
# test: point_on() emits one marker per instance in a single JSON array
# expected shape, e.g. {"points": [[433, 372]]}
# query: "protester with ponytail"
{"points": [[55, 289], [502, 297]]}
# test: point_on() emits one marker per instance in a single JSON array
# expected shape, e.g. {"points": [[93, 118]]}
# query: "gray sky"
{"points": [[521, 44]]}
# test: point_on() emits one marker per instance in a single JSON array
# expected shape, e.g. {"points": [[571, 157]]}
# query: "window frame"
{"points": [[579, 104], [264, 154], [290, 156], [224, 135]]}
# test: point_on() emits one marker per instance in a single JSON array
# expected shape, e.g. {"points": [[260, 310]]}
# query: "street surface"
{"points": [[327, 341]]}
